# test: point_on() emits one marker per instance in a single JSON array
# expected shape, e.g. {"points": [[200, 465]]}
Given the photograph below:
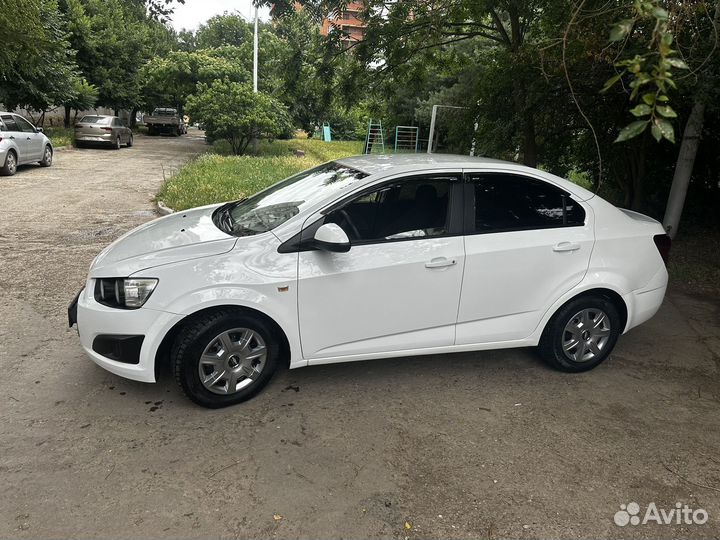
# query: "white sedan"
{"points": [[372, 257]]}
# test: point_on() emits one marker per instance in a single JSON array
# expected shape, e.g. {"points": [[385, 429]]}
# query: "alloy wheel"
{"points": [[586, 335], [11, 163], [48, 155], [232, 361]]}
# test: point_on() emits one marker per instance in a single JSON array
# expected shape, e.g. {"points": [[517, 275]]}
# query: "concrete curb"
{"points": [[163, 210], [56, 148]]}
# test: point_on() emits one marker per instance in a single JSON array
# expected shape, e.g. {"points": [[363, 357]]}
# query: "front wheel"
{"points": [[224, 358], [581, 334]]}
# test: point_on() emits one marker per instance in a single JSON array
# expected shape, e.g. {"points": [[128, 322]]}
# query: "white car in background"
{"points": [[372, 257], [21, 143]]}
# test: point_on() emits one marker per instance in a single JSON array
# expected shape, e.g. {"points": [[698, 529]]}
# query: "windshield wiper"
{"points": [[223, 218]]}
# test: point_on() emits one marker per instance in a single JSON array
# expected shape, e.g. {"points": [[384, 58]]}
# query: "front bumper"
{"points": [[96, 323]]}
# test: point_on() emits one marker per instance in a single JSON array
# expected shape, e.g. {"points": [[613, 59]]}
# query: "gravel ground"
{"points": [[475, 445]]}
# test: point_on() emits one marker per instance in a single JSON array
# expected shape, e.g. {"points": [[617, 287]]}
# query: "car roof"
{"points": [[372, 164], [387, 165]]}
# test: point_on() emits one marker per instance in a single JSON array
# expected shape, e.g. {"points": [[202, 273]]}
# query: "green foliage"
{"points": [[46, 76], [212, 178], [169, 80], [231, 111], [60, 136], [84, 96], [650, 73], [222, 30]]}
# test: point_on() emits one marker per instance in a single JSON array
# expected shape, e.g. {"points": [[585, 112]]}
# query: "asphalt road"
{"points": [[475, 445]]}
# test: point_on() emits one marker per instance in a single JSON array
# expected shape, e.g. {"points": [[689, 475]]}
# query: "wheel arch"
{"points": [[162, 354], [603, 292]]}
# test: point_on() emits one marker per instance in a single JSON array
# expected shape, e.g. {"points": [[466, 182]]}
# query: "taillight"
{"points": [[78, 125], [107, 129], [663, 243]]}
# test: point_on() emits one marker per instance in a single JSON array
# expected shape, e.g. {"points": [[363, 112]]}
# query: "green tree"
{"points": [[45, 73], [169, 80], [221, 30], [233, 112]]}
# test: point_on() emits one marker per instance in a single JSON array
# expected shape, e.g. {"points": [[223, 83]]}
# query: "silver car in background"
{"points": [[101, 129], [20, 143]]}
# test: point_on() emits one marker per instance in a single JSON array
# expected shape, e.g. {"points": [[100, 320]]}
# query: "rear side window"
{"points": [[9, 122], [508, 202], [24, 125], [414, 208]]}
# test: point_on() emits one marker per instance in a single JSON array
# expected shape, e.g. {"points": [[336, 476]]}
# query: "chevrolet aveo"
{"points": [[372, 257]]}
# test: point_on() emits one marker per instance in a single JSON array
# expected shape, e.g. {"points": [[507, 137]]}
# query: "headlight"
{"points": [[126, 293]]}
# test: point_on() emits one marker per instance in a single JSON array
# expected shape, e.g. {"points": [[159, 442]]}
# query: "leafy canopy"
{"points": [[231, 111]]}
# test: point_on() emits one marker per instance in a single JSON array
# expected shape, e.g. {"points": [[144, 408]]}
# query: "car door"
{"points": [[15, 134], [33, 140], [398, 286], [527, 242]]}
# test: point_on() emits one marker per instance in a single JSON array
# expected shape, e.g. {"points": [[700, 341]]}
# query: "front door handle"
{"points": [[440, 262], [12, 137], [27, 139], [566, 246]]}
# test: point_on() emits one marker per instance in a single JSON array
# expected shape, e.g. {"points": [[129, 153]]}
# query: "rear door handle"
{"points": [[12, 137], [440, 262], [566, 246]]}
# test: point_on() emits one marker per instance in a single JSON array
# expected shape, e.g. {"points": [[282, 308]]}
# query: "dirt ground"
{"points": [[475, 445]]}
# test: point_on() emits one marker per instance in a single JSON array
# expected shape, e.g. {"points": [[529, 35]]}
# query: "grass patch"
{"points": [[60, 136], [214, 177]]}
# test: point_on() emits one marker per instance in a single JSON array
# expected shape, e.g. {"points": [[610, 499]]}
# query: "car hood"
{"points": [[174, 238]]}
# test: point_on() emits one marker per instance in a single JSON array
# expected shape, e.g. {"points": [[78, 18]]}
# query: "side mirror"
{"points": [[331, 237], [38, 130]]}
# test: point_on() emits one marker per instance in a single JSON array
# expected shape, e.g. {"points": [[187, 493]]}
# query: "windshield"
{"points": [[94, 120], [274, 206], [164, 112]]}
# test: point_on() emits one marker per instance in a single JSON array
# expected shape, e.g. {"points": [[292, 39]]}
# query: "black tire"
{"points": [[47, 159], [130, 141], [200, 333], [555, 334], [10, 166]]}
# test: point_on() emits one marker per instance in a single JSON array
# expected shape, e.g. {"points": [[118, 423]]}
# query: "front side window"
{"points": [[412, 208], [508, 202], [24, 125], [274, 206]]}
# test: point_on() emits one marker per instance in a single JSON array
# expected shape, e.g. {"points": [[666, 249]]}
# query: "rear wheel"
{"points": [[46, 161], [118, 143], [224, 358], [130, 141], [10, 165], [581, 334]]}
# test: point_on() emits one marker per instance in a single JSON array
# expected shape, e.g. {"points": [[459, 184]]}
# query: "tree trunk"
{"points": [[686, 157], [133, 118], [66, 121], [684, 168]]}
